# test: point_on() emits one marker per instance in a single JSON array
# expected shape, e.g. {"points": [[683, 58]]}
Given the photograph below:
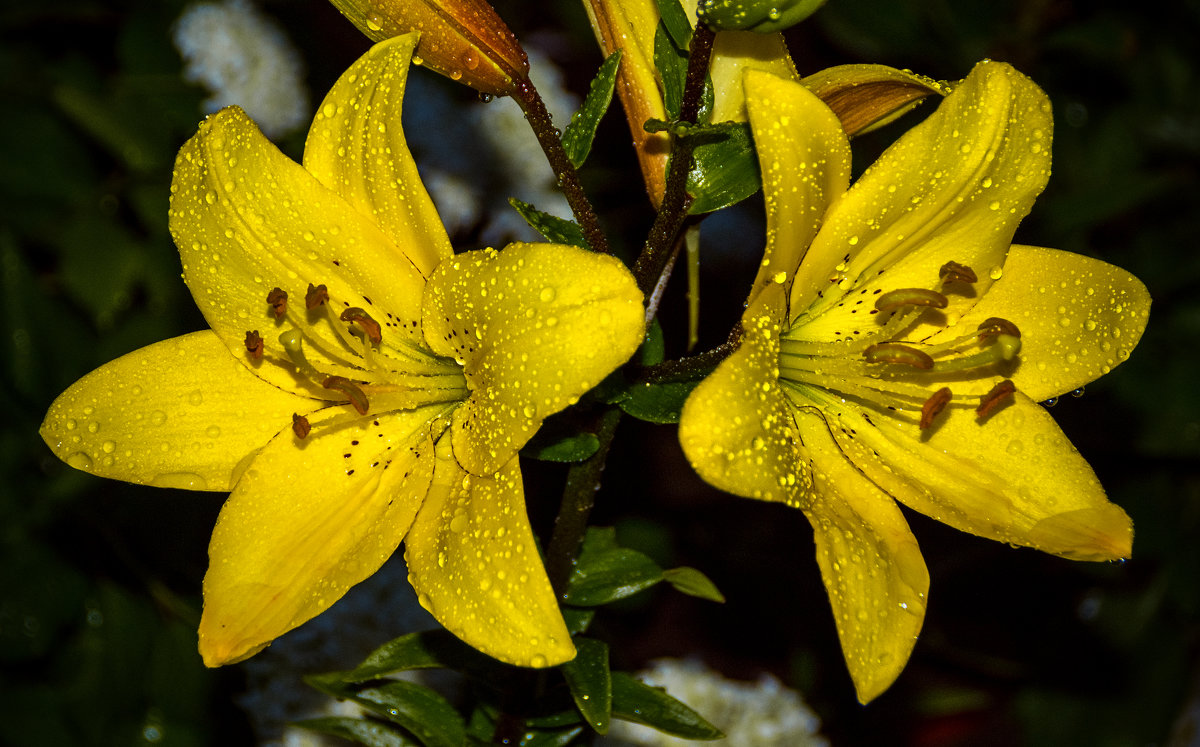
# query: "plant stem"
{"points": [[579, 496], [673, 212], [527, 97]]}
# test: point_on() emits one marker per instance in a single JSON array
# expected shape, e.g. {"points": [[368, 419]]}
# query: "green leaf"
{"points": [[588, 678], [605, 572], [657, 402], [370, 733], [724, 170], [636, 701], [693, 583], [675, 22], [555, 441], [425, 650], [415, 707], [653, 348], [578, 135], [556, 230], [578, 619], [560, 738], [671, 61]]}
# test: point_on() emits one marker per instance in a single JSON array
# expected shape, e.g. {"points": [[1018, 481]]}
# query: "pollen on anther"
{"points": [[254, 345], [300, 426], [934, 405], [277, 300], [369, 326], [316, 295], [955, 272], [999, 394], [995, 326]]}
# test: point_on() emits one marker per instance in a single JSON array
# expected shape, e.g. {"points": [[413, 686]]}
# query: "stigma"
{"points": [[879, 365]]}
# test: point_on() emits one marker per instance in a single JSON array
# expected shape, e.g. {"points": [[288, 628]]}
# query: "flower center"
{"points": [[351, 355], [881, 367]]}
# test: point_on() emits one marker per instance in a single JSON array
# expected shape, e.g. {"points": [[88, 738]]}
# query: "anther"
{"points": [[254, 345], [894, 352], [277, 299], [316, 295], [369, 326], [994, 325], [357, 398], [300, 426], [953, 272], [910, 297], [934, 405], [991, 401]]}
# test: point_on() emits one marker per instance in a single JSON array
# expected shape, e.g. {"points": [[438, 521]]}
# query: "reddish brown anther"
{"points": [[911, 297], [993, 400], [953, 272], [254, 345], [894, 352], [300, 426], [277, 299], [369, 326], [358, 399], [934, 405], [316, 295], [994, 326]]}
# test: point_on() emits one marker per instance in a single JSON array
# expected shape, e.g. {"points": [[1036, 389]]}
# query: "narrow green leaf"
{"points": [[675, 21], [693, 583], [653, 348], [556, 230], [578, 619], [358, 730], [425, 650], [605, 572], [636, 701], [578, 135], [560, 738], [418, 709], [554, 442], [588, 678], [724, 170], [657, 403], [671, 62]]}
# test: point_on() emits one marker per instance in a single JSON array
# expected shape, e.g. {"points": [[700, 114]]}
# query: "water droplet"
{"points": [[538, 661], [994, 205], [71, 424], [375, 22], [547, 294], [213, 431], [196, 398], [79, 460], [93, 427], [158, 417], [181, 480], [109, 447], [459, 523], [1014, 447], [996, 272]]}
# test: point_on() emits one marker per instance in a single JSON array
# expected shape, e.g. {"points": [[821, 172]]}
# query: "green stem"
{"points": [[549, 138], [673, 212], [579, 496]]}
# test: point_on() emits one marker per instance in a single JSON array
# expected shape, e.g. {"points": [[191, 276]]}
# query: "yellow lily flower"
{"points": [[386, 403], [896, 346]]}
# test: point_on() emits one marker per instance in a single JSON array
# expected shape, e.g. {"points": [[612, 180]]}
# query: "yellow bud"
{"points": [[465, 40]]}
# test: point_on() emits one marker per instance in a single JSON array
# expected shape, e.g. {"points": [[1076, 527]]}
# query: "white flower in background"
{"points": [[752, 714], [243, 57]]}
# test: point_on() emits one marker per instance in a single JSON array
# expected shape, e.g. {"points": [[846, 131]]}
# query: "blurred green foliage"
{"points": [[99, 581]]}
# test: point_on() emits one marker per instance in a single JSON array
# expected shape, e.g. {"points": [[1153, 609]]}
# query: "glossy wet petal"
{"points": [[1079, 318], [736, 427], [535, 326], [872, 568], [953, 188], [308, 520], [179, 413], [247, 219], [735, 52], [1013, 477], [805, 161], [357, 149], [475, 566]]}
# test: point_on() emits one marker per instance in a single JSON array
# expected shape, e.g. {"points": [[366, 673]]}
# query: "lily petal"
{"points": [[357, 149], [308, 520], [247, 219], [475, 566], [872, 567], [1079, 318], [953, 188], [1013, 477], [805, 160], [736, 428], [535, 326], [179, 413]]}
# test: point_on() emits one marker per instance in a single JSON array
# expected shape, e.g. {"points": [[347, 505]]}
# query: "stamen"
{"points": [[357, 398], [254, 345], [369, 326], [991, 401], [316, 295], [300, 426], [894, 352], [910, 297], [933, 406], [277, 299], [953, 272], [994, 325]]}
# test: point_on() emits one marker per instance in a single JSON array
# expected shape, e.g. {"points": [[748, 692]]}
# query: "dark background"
{"points": [[99, 581]]}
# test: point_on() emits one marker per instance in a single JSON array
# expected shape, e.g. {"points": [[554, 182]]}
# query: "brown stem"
{"points": [[548, 137]]}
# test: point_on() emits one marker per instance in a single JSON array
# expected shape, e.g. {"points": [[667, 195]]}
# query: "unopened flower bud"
{"points": [[465, 40], [761, 16]]}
